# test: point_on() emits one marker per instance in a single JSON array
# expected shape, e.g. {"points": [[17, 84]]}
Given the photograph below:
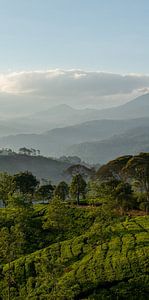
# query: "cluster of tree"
{"points": [[113, 194], [133, 171], [26, 183], [115, 185], [27, 151], [121, 192], [22, 150], [71, 159], [6, 151], [22, 230]]}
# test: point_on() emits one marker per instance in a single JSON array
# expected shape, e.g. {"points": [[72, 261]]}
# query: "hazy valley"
{"points": [[106, 133]]}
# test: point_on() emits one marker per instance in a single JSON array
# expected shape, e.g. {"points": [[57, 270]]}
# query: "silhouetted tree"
{"points": [[78, 187]]}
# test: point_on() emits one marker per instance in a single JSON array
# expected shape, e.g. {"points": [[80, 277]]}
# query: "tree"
{"points": [[113, 169], [119, 194], [20, 202], [45, 192], [62, 190], [58, 217], [7, 187], [38, 152], [11, 245], [123, 195], [33, 151], [25, 151], [100, 192], [78, 187], [24, 221], [17, 234], [83, 170], [26, 182], [137, 168]]}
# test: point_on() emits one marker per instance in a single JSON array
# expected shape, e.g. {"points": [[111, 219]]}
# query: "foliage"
{"points": [[113, 169], [57, 216], [138, 168], [7, 187], [44, 192], [78, 187], [25, 182], [62, 190]]}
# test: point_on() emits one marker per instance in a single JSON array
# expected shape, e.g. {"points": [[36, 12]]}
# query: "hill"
{"points": [[136, 108], [113, 264], [56, 141], [131, 142], [41, 167]]}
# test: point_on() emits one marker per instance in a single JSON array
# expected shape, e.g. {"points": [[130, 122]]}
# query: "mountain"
{"points": [[6, 129], [137, 108], [58, 116], [131, 142], [64, 115], [56, 141]]}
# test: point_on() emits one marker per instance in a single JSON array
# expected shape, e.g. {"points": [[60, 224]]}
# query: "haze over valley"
{"points": [[93, 131]]}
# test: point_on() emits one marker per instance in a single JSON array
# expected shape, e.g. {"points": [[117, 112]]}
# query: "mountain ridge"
{"points": [[130, 142], [64, 115], [56, 141]]}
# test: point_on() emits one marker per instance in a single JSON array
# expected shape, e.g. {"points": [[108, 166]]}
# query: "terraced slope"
{"points": [[109, 263]]}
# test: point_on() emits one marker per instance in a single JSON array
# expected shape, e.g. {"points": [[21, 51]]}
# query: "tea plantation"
{"points": [[105, 262]]}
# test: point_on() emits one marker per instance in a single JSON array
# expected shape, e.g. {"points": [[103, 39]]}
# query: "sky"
{"points": [[58, 36]]}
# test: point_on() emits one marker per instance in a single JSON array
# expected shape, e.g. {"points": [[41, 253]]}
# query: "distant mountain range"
{"points": [[57, 142], [132, 141], [64, 115], [115, 131]]}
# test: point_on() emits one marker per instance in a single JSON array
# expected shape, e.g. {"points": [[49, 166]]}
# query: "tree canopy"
{"points": [[78, 187]]}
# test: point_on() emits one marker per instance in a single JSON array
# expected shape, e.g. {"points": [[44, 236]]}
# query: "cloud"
{"points": [[73, 87]]}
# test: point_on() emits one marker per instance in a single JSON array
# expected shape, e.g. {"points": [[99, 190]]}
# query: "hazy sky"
{"points": [[107, 35], [90, 35]]}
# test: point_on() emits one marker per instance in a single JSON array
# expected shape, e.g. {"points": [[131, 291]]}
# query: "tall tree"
{"points": [[78, 187], [62, 190], [7, 187], [138, 168], [26, 182], [45, 192], [123, 195], [58, 218]]}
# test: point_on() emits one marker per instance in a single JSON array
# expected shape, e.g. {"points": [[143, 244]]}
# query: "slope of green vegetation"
{"points": [[90, 241], [112, 263]]}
